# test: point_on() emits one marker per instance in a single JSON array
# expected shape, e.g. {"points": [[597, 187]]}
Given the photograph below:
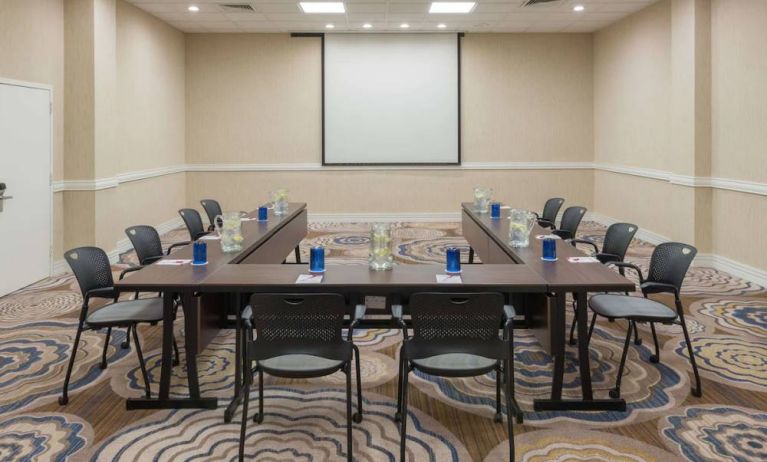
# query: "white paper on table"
{"points": [[582, 260], [210, 237], [449, 279], [309, 278], [544, 236], [248, 219], [505, 207], [173, 262]]}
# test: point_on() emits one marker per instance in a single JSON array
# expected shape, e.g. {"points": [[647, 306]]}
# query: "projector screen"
{"points": [[391, 99]]}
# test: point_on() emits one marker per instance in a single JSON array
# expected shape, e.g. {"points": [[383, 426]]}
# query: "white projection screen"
{"points": [[391, 99]]}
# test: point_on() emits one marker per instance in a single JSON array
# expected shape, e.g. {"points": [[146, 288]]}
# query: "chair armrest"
{"points": [[585, 241], [397, 312], [658, 288], [104, 292], [562, 233], [546, 223], [625, 264], [177, 244], [608, 257], [150, 260], [129, 270]]}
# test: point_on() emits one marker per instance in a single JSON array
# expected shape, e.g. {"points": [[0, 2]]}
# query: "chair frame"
{"points": [[648, 288], [254, 351], [504, 369]]}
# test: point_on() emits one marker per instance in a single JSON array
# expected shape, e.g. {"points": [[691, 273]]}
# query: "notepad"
{"points": [[544, 236], [210, 237], [449, 279], [170, 262], [582, 260], [309, 278]]}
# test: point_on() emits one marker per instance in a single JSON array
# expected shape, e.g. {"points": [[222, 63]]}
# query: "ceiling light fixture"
{"points": [[322, 7], [441, 26], [367, 25], [329, 26], [452, 7], [404, 25], [578, 8], [193, 8]]}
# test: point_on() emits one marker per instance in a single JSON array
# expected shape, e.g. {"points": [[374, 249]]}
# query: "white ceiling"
{"points": [[387, 15]]}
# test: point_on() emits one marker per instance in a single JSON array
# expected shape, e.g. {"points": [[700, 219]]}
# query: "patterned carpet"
{"points": [[449, 420]]}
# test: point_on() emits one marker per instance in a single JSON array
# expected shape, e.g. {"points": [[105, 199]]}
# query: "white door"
{"points": [[25, 170]]}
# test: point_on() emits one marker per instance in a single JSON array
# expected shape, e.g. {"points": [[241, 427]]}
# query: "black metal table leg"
{"points": [[583, 346], [238, 366]]}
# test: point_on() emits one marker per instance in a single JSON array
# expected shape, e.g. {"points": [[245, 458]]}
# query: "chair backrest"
{"points": [[618, 238], [310, 319], [193, 223], [91, 267], [146, 242], [212, 209], [669, 263], [456, 316], [571, 219], [551, 209]]}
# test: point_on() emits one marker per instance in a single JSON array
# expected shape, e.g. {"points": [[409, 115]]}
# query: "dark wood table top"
{"points": [[560, 274], [254, 233], [501, 278]]}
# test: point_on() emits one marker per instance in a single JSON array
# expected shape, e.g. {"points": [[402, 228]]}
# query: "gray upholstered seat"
{"points": [[299, 363], [455, 361], [621, 306], [127, 312]]}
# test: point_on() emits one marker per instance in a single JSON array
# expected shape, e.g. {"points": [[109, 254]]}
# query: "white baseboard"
{"points": [[122, 246], [642, 234], [733, 267]]}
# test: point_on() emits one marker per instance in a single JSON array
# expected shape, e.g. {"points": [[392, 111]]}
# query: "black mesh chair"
{"points": [[617, 240], [548, 218], [571, 220], [300, 336], [212, 209], [668, 266], [456, 335], [193, 223], [94, 275]]}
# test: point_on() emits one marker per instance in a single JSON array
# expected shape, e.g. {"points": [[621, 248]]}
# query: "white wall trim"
{"points": [[733, 267], [642, 234], [316, 167], [113, 182]]}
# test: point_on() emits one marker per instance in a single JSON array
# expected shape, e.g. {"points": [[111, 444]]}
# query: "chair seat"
{"points": [[455, 362], [127, 312], [623, 306], [301, 364]]}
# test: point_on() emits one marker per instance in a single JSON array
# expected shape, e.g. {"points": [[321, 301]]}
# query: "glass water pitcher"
{"points": [[520, 224], [482, 198], [380, 258], [229, 227]]}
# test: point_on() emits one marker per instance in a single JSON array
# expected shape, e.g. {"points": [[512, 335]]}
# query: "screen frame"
{"points": [[459, 36]]}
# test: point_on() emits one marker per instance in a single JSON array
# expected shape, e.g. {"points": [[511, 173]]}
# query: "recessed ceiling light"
{"points": [[329, 26], [404, 25], [322, 7], [367, 25], [452, 7], [579, 8], [441, 26], [193, 8]]}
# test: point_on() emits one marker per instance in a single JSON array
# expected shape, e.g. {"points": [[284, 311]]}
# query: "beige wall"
{"points": [[739, 126], [32, 50], [256, 99]]}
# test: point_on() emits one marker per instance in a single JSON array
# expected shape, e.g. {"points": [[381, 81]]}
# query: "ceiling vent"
{"points": [[536, 2], [237, 8]]}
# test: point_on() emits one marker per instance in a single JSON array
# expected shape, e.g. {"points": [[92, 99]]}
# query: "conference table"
{"points": [[545, 313], [205, 314]]}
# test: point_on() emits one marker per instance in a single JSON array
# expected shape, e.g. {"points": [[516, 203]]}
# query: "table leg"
{"points": [[236, 300], [190, 342], [557, 327], [583, 346]]}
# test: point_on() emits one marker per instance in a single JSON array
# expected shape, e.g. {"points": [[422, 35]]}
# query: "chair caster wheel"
{"points": [[102, 366], [638, 341], [697, 393], [573, 342], [258, 418], [498, 417], [63, 400], [654, 359], [227, 417], [357, 417], [397, 417], [125, 345], [615, 393]]}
